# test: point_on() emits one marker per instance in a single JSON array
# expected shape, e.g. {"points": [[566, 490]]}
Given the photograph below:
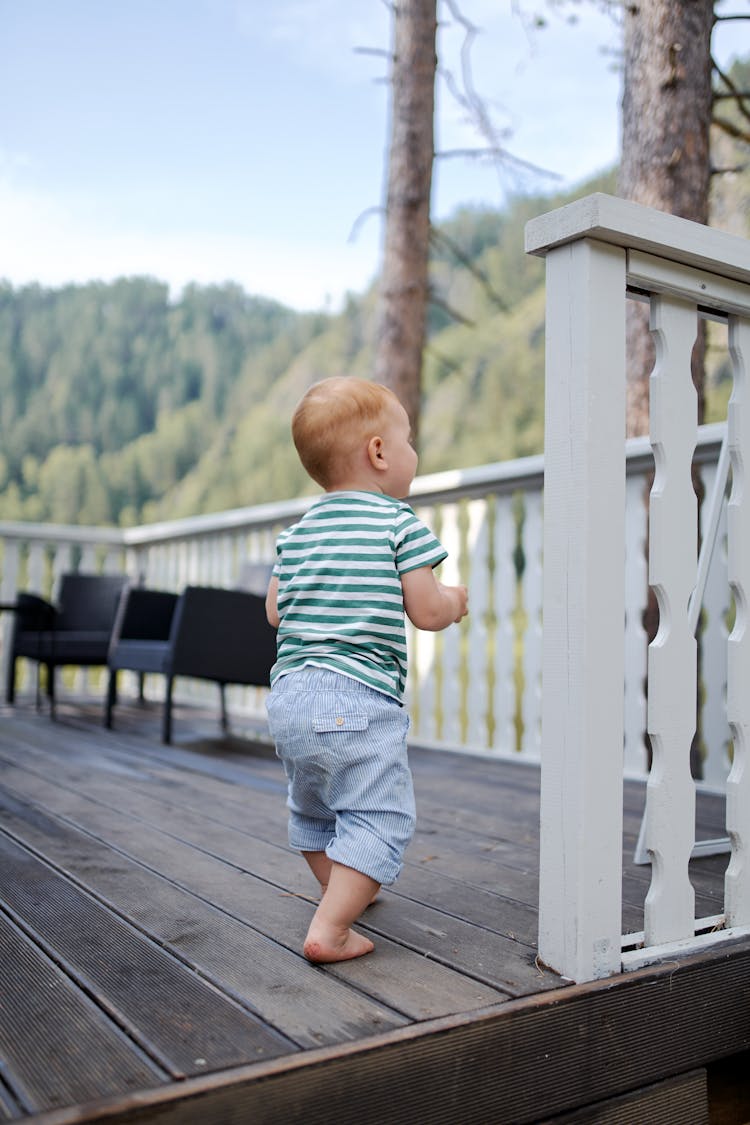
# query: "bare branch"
{"points": [[454, 314], [380, 52], [438, 237], [361, 219], [735, 94], [448, 365], [731, 129], [465, 94], [498, 154]]}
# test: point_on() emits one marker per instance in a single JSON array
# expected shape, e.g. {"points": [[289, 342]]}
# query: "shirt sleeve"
{"points": [[283, 535], [416, 546]]}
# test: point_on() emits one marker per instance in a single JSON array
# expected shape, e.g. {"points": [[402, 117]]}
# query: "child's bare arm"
{"points": [[272, 612], [428, 603]]}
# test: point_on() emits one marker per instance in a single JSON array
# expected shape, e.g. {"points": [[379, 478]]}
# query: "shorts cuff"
{"points": [[309, 839], [383, 869]]}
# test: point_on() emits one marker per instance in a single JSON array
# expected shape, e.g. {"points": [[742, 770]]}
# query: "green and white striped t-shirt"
{"points": [[340, 600]]}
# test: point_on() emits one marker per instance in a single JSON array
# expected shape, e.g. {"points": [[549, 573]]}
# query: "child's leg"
{"points": [[320, 865], [330, 937]]}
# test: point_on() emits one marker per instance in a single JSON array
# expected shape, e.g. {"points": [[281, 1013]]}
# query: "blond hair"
{"points": [[332, 418]]}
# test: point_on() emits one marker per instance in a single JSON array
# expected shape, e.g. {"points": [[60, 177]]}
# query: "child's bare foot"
{"points": [[325, 947]]}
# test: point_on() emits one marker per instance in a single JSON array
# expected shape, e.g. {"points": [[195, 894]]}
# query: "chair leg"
{"points": [[224, 718], [111, 698], [166, 729], [10, 682], [51, 689]]}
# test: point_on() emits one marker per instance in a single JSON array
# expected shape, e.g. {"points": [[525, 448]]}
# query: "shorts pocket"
{"points": [[326, 724]]}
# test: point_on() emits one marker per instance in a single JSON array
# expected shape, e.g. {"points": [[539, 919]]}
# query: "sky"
{"points": [[246, 140]]}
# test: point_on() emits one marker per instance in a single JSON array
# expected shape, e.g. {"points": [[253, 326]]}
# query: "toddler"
{"points": [[344, 576]]}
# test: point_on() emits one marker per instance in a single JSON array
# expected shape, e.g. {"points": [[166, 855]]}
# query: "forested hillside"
{"points": [[120, 406]]}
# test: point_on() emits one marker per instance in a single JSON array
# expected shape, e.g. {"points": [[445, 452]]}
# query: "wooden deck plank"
{"points": [[674, 1101], [59, 1047], [309, 1008], [179, 1020], [9, 1107]]}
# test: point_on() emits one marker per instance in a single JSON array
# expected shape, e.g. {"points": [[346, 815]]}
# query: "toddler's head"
{"points": [[332, 420]]}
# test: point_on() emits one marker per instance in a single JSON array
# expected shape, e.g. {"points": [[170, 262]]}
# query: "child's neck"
{"points": [[355, 484]]}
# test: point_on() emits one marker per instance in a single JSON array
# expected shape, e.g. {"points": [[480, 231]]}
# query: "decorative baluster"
{"points": [[636, 639], [193, 560], [9, 570], [176, 554], [87, 563], [422, 668], [62, 562], [505, 582], [669, 912], [451, 694], [113, 561], [531, 590], [714, 724], [266, 541], [737, 879], [8, 589], [35, 577], [478, 580], [146, 565], [206, 573]]}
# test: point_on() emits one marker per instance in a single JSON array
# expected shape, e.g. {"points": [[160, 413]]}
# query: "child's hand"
{"points": [[460, 596], [430, 604]]}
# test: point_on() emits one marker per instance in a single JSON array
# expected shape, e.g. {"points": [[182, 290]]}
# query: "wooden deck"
{"points": [[151, 917]]}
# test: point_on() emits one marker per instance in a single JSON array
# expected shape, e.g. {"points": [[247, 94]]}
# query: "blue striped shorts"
{"points": [[343, 746]]}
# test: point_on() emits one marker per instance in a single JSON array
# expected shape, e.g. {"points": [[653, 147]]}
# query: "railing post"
{"points": [[583, 611]]}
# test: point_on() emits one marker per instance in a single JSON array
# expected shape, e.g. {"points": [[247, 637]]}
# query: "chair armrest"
{"points": [[34, 613]]}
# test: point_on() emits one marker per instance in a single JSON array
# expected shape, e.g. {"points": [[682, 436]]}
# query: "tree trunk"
{"points": [[666, 118], [404, 279]]}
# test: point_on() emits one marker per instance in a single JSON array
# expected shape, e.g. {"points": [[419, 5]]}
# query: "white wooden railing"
{"points": [[597, 250], [477, 687]]}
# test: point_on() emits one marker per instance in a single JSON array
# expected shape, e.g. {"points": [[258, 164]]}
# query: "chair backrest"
{"points": [[88, 602], [144, 615], [222, 635]]}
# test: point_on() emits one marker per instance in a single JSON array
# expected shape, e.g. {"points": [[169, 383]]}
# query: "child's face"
{"points": [[398, 451]]}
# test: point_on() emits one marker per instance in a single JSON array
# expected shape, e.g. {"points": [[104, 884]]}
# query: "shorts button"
{"points": [[339, 721]]}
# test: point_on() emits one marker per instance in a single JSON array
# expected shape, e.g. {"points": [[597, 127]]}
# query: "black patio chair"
{"points": [[205, 633], [75, 630]]}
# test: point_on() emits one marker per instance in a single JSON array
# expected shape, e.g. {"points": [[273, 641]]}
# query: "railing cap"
{"points": [[634, 227]]}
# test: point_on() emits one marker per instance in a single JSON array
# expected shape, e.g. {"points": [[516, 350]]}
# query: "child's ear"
{"points": [[375, 453]]}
